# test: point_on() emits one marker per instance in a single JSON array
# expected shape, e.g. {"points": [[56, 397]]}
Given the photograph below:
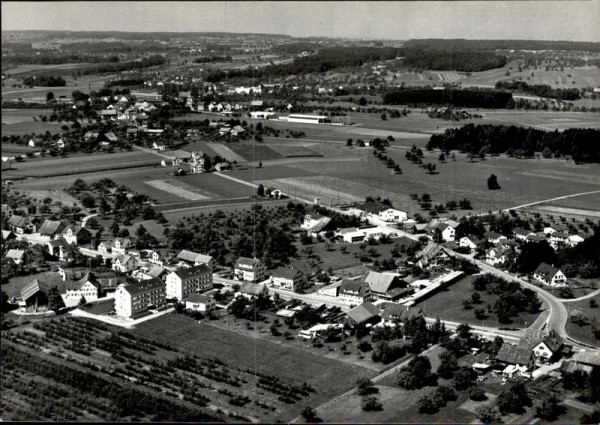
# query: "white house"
{"points": [[494, 238], [445, 228], [470, 241], [549, 275], [353, 292], [574, 240], [200, 302], [189, 280], [105, 247], [17, 255], [124, 263], [496, 255], [249, 269], [392, 215], [195, 259], [288, 278], [135, 298], [121, 246], [86, 287]]}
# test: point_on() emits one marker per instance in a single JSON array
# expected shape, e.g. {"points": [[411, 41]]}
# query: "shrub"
{"points": [[371, 403], [477, 394]]}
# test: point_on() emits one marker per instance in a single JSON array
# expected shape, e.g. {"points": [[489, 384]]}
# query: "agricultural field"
{"points": [[583, 330], [12, 116], [31, 127], [447, 305], [328, 377]]}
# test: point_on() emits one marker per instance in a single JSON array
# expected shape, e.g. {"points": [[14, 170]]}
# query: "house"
{"points": [[288, 278], [35, 293], [200, 302], [392, 215], [353, 292], [195, 259], [446, 230], [497, 255], [105, 247], [86, 287], [135, 298], [189, 280], [121, 246], [385, 286], [78, 235], [558, 239], [550, 230], [392, 313], [470, 241], [549, 275], [157, 256], [574, 240], [111, 137], [33, 142], [58, 248], [315, 223], [533, 238], [547, 350], [517, 355], [351, 234], [17, 255], [363, 314], [237, 130], [331, 290], [494, 238], [431, 255], [124, 263], [52, 228], [521, 234], [249, 289], [249, 269], [21, 225], [8, 235]]}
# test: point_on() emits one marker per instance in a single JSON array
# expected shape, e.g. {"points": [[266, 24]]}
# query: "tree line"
{"points": [[580, 143], [541, 90], [445, 44], [44, 81], [473, 98], [453, 60]]}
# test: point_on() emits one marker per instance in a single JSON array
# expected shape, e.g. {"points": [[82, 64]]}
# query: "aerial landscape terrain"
{"points": [[251, 214]]}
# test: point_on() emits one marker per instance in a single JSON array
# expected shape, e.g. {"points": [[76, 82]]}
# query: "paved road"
{"points": [[585, 297], [552, 199]]}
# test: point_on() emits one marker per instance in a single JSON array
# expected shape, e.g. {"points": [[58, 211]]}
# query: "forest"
{"points": [[473, 98], [452, 60], [579, 143], [541, 90], [462, 44], [44, 81]]}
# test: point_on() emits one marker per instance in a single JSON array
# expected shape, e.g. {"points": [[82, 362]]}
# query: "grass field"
{"points": [[177, 188], [12, 116], [447, 305], [592, 315], [327, 376], [31, 127]]}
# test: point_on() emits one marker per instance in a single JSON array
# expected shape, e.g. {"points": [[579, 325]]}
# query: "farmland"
{"points": [[583, 330]]}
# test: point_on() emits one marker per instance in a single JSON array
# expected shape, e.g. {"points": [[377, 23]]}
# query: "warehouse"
{"points": [[309, 119]]}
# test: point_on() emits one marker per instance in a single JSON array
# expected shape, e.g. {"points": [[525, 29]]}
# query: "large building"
{"points": [[353, 292], [135, 298], [549, 275], [249, 269], [86, 287], [288, 278], [190, 280], [308, 119]]}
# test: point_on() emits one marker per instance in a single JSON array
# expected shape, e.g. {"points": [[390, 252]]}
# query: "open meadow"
{"points": [[589, 312]]}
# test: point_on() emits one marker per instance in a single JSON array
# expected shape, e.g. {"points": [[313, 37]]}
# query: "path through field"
{"points": [[551, 200]]}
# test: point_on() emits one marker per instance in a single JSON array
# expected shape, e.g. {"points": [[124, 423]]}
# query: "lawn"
{"points": [[329, 377], [592, 316], [447, 305]]}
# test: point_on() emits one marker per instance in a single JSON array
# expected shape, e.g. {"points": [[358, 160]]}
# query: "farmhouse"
{"points": [[124, 263], [35, 293], [52, 228], [249, 269], [549, 275], [363, 314], [392, 215], [200, 302], [195, 259], [431, 255], [353, 292], [288, 278], [470, 241], [249, 289], [16, 255], [135, 298], [189, 280], [385, 286], [86, 287], [21, 225]]}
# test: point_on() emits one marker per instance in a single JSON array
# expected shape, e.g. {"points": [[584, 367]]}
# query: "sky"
{"points": [[536, 20]]}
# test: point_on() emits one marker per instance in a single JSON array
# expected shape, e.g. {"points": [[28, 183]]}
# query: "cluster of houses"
{"points": [[189, 162]]}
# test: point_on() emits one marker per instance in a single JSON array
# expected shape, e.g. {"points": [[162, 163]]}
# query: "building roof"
{"points": [[380, 282], [352, 286], [187, 272], [75, 285], [473, 238], [18, 221], [191, 256], [514, 354], [198, 298], [123, 259], [248, 262], [286, 273], [320, 225], [51, 227], [493, 235], [15, 254], [33, 288], [6, 234], [250, 288], [520, 231], [155, 271], [363, 312], [55, 243], [143, 286], [430, 252], [546, 271]]}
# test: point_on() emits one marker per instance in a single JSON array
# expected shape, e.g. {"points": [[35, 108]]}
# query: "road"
{"points": [[585, 297], [552, 199]]}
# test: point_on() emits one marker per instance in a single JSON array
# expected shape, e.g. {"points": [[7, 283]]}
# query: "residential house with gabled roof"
{"points": [[548, 350], [289, 279], [8, 235], [549, 275], [124, 263], [52, 228], [574, 240], [105, 247], [470, 241], [354, 292], [86, 287], [315, 223], [121, 246], [200, 302], [250, 289], [195, 259], [21, 225], [521, 234], [446, 229], [533, 238], [189, 280], [431, 255], [363, 314], [494, 238], [77, 235], [393, 216], [135, 298], [18, 256], [249, 269], [497, 255], [58, 248], [35, 293], [558, 239], [385, 286]]}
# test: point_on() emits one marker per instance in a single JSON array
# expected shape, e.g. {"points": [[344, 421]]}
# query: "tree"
{"points": [[49, 96], [416, 374], [371, 403], [549, 408], [488, 414], [260, 191], [259, 164], [448, 364], [82, 300], [425, 404], [383, 117], [310, 415], [463, 330], [514, 399], [442, 158], [349, 143], [366, 387], [443, 395], [430, 167], [55, 301], [464, 378], [477, 394], [492, 182]]}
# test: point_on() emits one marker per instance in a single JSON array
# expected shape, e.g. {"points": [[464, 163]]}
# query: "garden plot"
{"points": [[226, 152], [180, 189]]}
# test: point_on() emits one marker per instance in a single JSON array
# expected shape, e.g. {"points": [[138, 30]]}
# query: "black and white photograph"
{"points": [[339, 212]]}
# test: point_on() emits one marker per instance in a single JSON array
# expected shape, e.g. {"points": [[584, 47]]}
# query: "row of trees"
{"points": [[472, 98], [541, 90]]}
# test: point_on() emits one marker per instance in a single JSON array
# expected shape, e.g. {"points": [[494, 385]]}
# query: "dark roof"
{"points": [[363, 312], [554, 344], [493, 235], [54, 243], [380, 282], [252, 288], [514, 354], [143, 286], [245, 261], [286, 273], [474, 238], [521, 231], [75, 285], [546, 270], [353, 286], [18, 221], [51, 227], [187, 272], [198, 298], [33, 288]]}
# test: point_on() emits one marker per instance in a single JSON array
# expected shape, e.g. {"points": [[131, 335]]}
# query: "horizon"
{"points": [[470, 20]]}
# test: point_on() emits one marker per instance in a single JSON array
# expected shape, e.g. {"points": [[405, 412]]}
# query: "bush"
{"points": [[477, 394], [426, 404], [371, 403], [366, 387], [364, 346]]}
